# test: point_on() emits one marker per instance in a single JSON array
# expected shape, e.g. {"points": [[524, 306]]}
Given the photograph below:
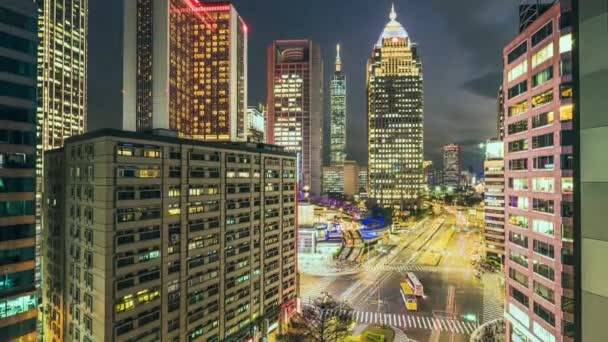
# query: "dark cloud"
{"points": [[486, 85]]}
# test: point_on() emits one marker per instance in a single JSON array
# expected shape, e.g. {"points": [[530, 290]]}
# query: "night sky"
{"points": [[460, 42]]}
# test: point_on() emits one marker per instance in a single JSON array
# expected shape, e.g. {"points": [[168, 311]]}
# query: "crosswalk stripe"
{"points": [[408, 321]]}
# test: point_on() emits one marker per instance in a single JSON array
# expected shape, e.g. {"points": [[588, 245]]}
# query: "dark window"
{"points": [[518, 164], [565, 20], [18, 20], [518, 145], [544, 163], [17, 114], [518, 89], [16, 255], [545, 314], [518, 277], [542, 77], [17, 184], [518, 127], [17, 232], [567, 256], [540, 141], [567, 209], [565, 67], [544, 248], [544, 206], [17, 90], [15, 331], [16, 208], [542, 34], [543, 119], [175, 172], [15, 43], [518, 239], [544, 270], [567, 161], [567, 138], [517, 52], [519, 296], [16, 67]]}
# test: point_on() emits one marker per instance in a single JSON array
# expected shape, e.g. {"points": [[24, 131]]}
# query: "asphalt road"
{"points": [[451, 289]]}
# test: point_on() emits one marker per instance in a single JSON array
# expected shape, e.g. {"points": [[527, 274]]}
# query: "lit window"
{"points": [[565, 43], [542, 55], [518, 70], [566, 112], [567, 185]]}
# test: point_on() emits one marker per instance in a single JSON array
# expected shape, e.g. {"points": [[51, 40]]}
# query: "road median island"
{"points": [[433, 256]]}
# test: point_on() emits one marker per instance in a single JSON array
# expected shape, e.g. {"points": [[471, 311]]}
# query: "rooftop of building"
{"points": [[393, 29], [169, 137]]}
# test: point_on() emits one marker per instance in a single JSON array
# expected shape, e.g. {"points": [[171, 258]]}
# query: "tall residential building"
{"points": [[539, 141], [591, 75], [338, 113], [18, 293], [494, 200], [500, 122], [185, 69], [295, 106], [256, 124], [395, 118], [159, 238], [62, 84], [452, 165]]}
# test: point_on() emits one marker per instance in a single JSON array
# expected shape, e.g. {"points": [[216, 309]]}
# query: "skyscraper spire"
{"points": [[338, 59], [393, 14]]}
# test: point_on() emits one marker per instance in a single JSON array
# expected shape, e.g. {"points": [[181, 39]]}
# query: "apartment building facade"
{"points": [[158, 238], [538, 145]]}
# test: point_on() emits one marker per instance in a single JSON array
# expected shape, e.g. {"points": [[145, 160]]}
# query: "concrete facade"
{"points": [[156, 238], [593, 186]]}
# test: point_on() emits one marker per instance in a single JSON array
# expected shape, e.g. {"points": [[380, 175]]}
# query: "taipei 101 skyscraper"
{"points": [[338, 113]]}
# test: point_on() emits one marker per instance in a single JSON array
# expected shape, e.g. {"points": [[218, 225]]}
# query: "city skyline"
{"points": [[454, 88], [191, 190]]}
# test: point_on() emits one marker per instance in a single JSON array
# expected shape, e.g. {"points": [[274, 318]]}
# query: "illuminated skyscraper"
{"points": [[395, 118], [295, 106], [452, 165], [338, 113], [185, 69], [18, 294]]}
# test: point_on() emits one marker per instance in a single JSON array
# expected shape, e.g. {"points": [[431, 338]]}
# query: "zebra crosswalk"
{"points": [[404, 268], [492, 303], [412, 321]]}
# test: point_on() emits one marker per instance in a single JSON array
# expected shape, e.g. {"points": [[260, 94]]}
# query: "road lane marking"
{"points": [[409, 320]]}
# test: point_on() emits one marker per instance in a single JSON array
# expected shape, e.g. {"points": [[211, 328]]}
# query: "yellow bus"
{"points": [[409, 297]]}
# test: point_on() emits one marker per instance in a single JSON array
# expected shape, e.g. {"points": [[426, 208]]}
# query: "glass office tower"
{"points": [[18, 293]]}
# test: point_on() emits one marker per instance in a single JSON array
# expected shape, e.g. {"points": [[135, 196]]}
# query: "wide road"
{"points": [[440, 258]]}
